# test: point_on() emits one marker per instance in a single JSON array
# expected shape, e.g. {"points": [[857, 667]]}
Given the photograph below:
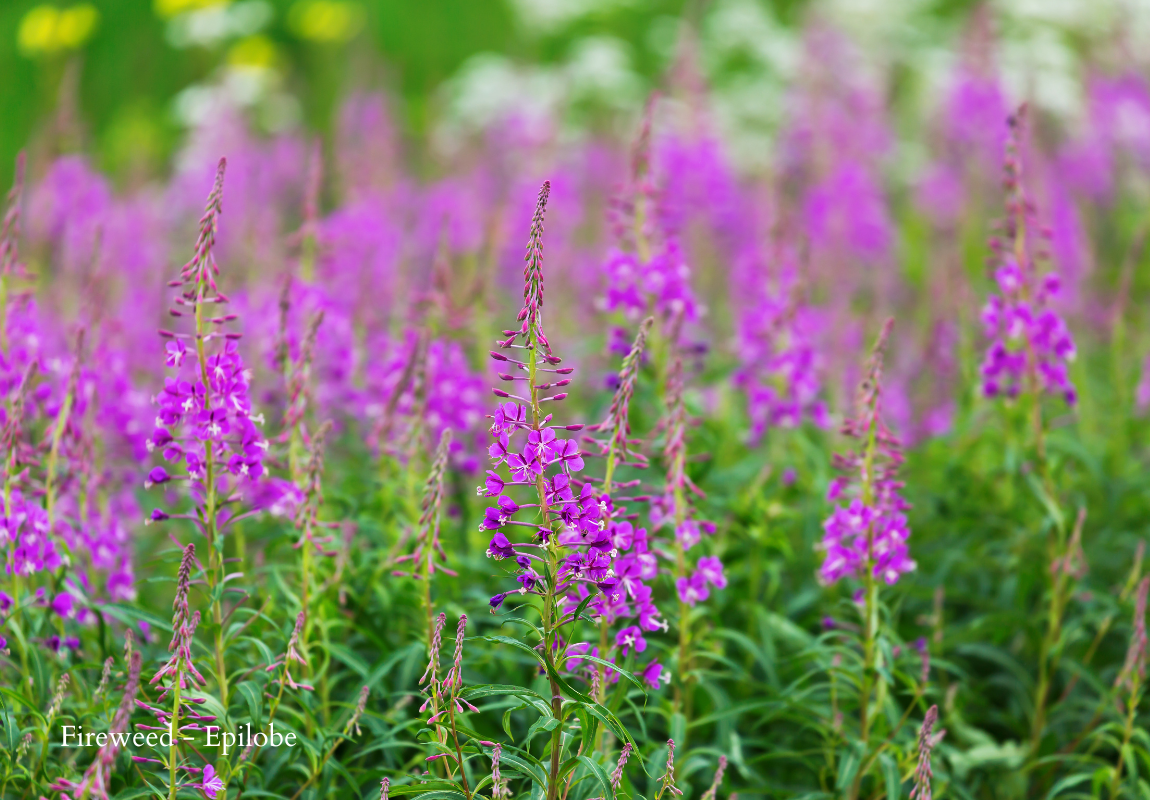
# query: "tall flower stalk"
{"points": [[569, 549], [867, 538], [205, 418], [675, 509], [179, 670], [1028, 357], [1030, 345], [618, 420], [428, 547], [1132, 681]]}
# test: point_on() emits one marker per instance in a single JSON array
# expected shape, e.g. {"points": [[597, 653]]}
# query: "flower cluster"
{"points": [[647, 271], [598, 554], [205, 414], [776, 344], [429, 384], [25, 527], [1030, 344], [870, 532], [674, 509]]}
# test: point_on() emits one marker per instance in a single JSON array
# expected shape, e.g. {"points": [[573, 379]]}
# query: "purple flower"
{"points": [[210, 782], [711, 568], [1030, 345], [176, 353], [495, 518], [158, 475], [653, 675], [630, 638], [500, 547], [62, 604], [692, 590], [493, 485], [872, 535]]}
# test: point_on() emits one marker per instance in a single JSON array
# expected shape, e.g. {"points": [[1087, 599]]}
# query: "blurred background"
{"points": [[125, 80]]}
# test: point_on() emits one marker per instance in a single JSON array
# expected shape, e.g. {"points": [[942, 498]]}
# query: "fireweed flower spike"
{"points": [[293, 650], [676, 510], [448, 692], [97, 777], [499, 789], [1030, 344], [179, 666], [1132, 679], [205, 415], [621, 764], [384, 788], [712, 792], [926, 742], [309, 231], [431, 674], [570, 551], [647, 269], [297, 378], [352, 724], [618, 417], [776, 344], [308, 524], [428, 547], [866, 539], [667, 782], [360, 707]]}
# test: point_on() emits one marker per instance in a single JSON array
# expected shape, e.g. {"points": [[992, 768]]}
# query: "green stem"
{"points": [[215, 559], [1128, 732], [1045, 662], [870, 607], [174, 733]]}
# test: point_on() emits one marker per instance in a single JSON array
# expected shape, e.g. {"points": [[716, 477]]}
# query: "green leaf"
{"points": [[525, 764], [259, 644], [510, 642], [349, 658], [418, 788], [1047, 501], [507, 720], [848, 768], [1067, 782], [891, 773], [544, 724], [130, 794], [26, 703], [618, 669], [590, 728], [254, 697], [336, 764], [130, 615], [601, 774]]}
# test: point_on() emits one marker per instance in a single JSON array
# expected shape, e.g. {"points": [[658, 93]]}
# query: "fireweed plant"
{"points": [[865, 539], [568, 559], [1027, 359], [317, 568]]}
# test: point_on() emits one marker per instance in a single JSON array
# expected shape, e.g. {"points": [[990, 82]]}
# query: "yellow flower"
{"points": [[253, 51], [172, 8], [326, 20], [47, 29]]}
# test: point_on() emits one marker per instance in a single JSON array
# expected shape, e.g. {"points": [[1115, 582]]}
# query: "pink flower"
{"points": [[211, 782]]}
